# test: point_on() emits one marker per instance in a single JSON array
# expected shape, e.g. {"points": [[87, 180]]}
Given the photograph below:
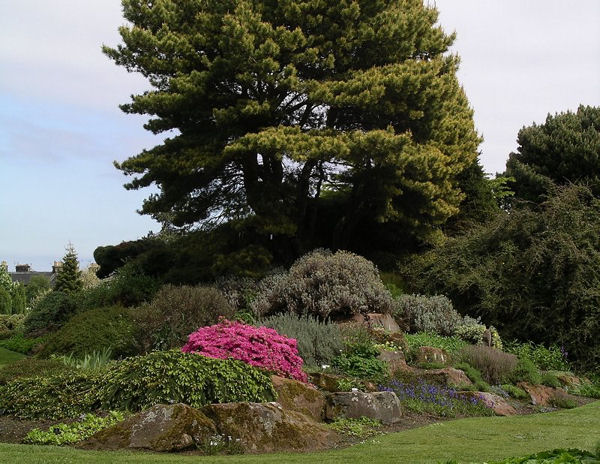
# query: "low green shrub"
{"points": [[318, 342], [433, 314], [362, 367], [68, 434], [94, 330], [589, 390], [515, 392], [452, 345], [546, 359], [10, 323], [550, 380], [50, 313], [474, 376], [59, 396], [21, 344], [495, 366], [32, 367], [175, 377], [326, 285], [525, 371], [359, 428], [177, 311], [562, 402], [129, 287], [137, 383]]}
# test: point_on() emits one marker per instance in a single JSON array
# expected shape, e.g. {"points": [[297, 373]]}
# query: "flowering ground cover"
{"points": [[422, 397]]}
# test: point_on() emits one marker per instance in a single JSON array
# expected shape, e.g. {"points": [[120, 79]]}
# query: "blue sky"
{"points": [[61, 129]]}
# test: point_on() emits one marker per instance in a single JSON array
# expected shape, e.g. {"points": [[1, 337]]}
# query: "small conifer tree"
{"points": [[68, 279]]}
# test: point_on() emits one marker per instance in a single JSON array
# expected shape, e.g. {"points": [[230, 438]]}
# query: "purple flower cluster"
{"points": [[434, 394]]}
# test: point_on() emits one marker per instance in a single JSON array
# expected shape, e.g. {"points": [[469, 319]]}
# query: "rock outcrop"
{"points": [[267, 427], [382, 406], [300, 397], [164, 427]]}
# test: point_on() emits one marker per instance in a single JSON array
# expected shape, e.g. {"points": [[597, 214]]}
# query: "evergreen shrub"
{"points": [[326, 285], [94, 330], [50, 312], [433, 314], [525, 371], [552, 358], [319, 342], [32, 367], [177, 311], [137, 383]]}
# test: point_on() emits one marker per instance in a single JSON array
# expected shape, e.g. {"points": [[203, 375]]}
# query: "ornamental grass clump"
{"points": [[258, 346]]}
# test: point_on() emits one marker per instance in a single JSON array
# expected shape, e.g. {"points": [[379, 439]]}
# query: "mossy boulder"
{"points": [[173, 427], [268, 427], [381, 406], [301, 397], [325, 381]]}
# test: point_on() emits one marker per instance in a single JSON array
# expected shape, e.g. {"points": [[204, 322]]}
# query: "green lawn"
{"points": [[7, 357], [466, 440]]}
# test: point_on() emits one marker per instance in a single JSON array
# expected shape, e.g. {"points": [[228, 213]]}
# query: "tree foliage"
{"points": [[68, 279], [565, 149], [345, 114], [533, 273]]}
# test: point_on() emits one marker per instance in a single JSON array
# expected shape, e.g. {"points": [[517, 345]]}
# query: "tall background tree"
{"points": [[565, 149], [312, 123], [68, 279]]}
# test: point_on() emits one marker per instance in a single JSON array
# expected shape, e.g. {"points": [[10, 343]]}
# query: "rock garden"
{"points": [[319, 357]]}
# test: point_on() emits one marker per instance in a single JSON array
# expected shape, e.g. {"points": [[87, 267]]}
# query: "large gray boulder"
{"points": [[382, 406], [163, 427], [267, 427]]}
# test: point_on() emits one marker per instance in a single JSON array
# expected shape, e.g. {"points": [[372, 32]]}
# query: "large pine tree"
{"points": [[308, 118]]}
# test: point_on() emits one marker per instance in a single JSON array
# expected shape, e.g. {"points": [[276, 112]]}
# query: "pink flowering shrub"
{"points": [[257, 346]]}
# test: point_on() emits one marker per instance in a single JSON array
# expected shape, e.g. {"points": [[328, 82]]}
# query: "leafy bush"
{"points": [[326, 285], [50, 313], [68, 394], [515, 392], [176, 377], [175, 312], [473, 332], [239, 291], [257, 346], [452, 345], [563, 402], [128, 287], [363, 367], [588, 389], [137, 383], [474, 376], [550, 380], [495, 366], [525, 371], [68, 434], [10, 323], [21, 344], [547, 359], [433, 314], [32, 367], [318, 342], [533, 273], [94, 330]]}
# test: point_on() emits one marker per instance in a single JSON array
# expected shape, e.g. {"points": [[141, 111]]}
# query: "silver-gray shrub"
{"points": [[319, 342], [326, 285], [433, 314]]}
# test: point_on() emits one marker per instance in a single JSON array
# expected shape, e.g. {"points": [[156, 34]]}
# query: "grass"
{"points": [[466, 440], [7, 357]]}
